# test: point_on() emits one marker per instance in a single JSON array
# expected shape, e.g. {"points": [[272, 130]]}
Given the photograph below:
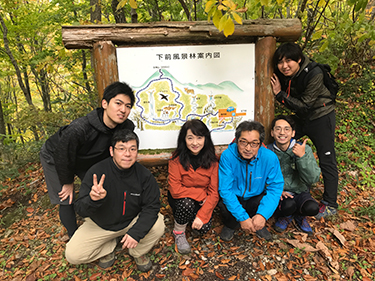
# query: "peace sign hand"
{"points": [[97, 191], [299, 149]]}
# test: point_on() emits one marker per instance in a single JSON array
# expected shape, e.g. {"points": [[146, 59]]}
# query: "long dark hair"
{"points": [[206, 156]]}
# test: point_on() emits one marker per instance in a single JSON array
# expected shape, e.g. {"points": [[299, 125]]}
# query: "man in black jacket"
{"points": [[304, 92], [124, 203], [81, 144]]}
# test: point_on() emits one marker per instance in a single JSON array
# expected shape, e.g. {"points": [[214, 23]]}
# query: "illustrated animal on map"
{"points": [[163, 97], [189, 91]]}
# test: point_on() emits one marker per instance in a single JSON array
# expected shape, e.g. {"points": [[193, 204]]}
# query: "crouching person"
{"points": [[120, 200]]}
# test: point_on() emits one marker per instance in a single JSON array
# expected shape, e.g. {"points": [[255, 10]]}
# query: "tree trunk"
{"points": [[160, 17], [95, 11], [134, 15], [84, 71], [2, 121], [119, 14], [41, 78], [24, 89]]}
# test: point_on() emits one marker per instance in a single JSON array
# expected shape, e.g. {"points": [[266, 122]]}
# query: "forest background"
{"points": [[44, 86]]}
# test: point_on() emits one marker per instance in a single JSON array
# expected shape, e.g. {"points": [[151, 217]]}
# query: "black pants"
{"points": [[300, 205], [321, 131], [251, 206], [185, 210]]}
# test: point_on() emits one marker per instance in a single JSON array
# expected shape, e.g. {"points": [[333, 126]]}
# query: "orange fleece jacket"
{"points": [[199, 185]]}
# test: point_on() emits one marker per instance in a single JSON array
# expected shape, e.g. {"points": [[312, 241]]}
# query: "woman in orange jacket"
{"points": [[193, 181]]}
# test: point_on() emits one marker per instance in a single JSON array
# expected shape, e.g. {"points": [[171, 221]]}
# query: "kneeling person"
{"points": [[250, 182], [300, 171], [119, 199]]}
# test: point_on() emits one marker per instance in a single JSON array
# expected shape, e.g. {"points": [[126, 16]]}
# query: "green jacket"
{"points": [[299, 172]]}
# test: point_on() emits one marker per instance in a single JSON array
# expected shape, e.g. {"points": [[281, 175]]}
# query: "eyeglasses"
{"points": [[278, 129], [123, 149], [244, 144]]}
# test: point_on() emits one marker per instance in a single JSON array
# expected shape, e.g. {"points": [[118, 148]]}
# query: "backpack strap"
{"points": [[307, 73]]}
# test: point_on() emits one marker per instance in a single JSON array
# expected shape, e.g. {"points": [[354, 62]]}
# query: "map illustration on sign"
{"points": [[183, 83]]}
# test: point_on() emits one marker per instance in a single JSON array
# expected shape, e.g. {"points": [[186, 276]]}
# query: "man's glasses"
{"points": [[286, 129], [244, 144], [123, 149]]}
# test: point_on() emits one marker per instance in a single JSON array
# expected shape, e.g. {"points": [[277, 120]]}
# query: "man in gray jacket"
{"points": [[300, 171]]}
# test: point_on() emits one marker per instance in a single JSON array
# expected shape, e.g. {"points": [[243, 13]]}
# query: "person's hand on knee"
{"points": [[247, 225], [128, 242], [258, 222]]}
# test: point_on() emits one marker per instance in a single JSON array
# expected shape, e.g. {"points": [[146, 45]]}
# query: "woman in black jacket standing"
{"points": [[300, 87]]}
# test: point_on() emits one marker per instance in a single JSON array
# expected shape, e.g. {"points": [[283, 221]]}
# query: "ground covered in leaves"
{"points": [[33, 242]]}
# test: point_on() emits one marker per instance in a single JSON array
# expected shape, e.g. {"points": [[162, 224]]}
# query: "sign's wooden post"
{"points": [[105, 65], [264, 100]]}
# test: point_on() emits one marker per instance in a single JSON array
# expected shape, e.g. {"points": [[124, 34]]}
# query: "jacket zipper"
{"points": [[123, 211], [243, 195]]}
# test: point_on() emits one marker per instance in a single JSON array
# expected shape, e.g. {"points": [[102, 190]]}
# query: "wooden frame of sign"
{"points": [[103, 39]]}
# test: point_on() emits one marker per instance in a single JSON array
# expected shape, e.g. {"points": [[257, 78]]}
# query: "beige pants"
{"points": [[91, 242]]}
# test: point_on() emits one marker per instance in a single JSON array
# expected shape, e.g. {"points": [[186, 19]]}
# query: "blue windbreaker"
{"points": [[238, 178]]}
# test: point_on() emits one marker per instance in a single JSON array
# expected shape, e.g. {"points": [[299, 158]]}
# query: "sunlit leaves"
{"points": [[317, 35], [224, 14], [122, 3]]}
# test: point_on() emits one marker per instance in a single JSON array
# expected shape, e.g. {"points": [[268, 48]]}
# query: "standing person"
{"points": [[118, 198], [193, 181], [82, 143], [300, 171], [315, 117], [250, 182]]}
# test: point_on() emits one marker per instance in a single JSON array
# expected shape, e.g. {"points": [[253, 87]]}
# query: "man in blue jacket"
{"points": [[250, 182], [120, 200]]}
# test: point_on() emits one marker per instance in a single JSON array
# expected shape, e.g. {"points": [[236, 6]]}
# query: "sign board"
{"points": [[172, 84]]}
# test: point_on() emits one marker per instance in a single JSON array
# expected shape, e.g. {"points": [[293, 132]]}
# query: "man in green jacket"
{"points": [[300, 171]]}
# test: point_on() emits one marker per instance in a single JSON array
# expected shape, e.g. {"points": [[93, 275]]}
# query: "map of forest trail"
{"points": [[163, 103]]}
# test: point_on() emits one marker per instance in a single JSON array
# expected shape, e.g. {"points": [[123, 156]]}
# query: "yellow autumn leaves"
{"points": [[223, 14]]}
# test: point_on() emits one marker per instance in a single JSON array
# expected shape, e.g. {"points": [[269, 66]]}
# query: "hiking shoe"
{"points": [[227, 233], [325, 211], [143, 263], [183, 246], [282, 223], [303, 225], [107, 261], [264, 233]]}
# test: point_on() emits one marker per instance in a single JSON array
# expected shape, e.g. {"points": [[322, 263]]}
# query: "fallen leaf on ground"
{"points": [[338, 236], [348, 225], [304, 246], [218, 275]]}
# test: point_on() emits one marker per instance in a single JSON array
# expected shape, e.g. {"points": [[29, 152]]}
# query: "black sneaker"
{"points": [[264, 233], [227, 233]]}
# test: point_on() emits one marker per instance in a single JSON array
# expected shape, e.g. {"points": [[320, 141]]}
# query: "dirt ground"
{"points": [[33, 243]]}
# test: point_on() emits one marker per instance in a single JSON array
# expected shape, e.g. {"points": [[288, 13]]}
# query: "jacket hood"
{"points": [[95, 119], [303, 64]]}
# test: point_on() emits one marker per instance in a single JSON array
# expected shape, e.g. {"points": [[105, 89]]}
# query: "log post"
{"points": [[105, 65], [264, 110]]}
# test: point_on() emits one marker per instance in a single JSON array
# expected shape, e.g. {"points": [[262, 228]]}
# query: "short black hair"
{"points": [[250, 126], [124, 135], [117, 88], [289, 51], [287, 118]]}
